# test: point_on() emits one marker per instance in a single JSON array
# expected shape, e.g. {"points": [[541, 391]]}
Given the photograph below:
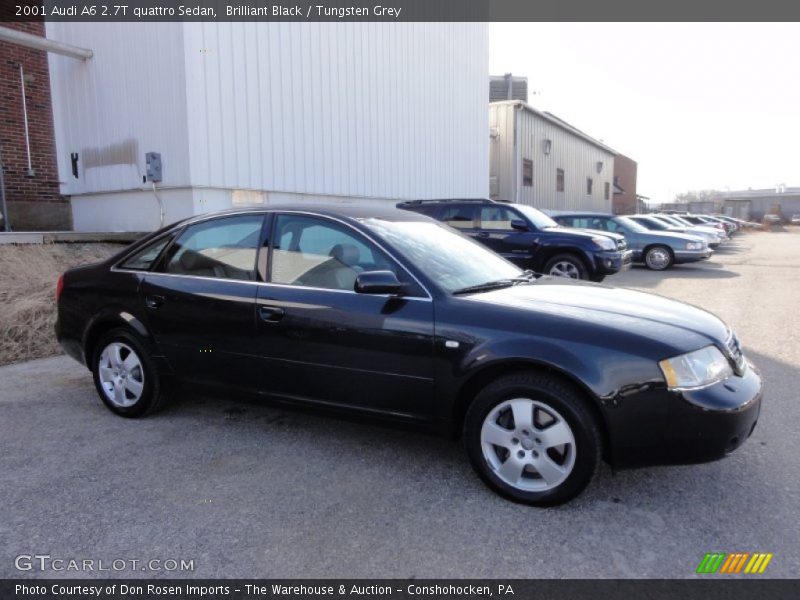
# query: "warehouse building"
{"points": [[535, 158], [754, 204], [167, 120]]}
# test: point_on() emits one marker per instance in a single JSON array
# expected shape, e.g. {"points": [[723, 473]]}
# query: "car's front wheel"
{"points": [[566, 265], [658, 258], [530, 437], [124, 375]]}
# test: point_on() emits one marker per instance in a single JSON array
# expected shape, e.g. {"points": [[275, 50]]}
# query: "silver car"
{"points": [[658, 250], [654, 223]]}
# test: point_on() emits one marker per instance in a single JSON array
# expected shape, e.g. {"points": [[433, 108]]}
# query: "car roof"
{"points": [[570, 213], [350, 210]]}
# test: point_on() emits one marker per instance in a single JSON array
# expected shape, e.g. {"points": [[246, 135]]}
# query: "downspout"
{"points": [[30, 172], [517, 111]]}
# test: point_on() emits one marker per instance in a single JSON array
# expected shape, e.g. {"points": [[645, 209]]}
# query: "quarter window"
{"points": [[144, 259], [224, 248], [314, 252]]}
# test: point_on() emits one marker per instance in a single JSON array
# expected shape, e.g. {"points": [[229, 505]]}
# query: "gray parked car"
{"points": [[658, 250], [655, 223]]}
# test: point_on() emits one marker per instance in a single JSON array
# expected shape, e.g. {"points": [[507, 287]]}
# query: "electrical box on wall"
{"points": [[153, 162]]}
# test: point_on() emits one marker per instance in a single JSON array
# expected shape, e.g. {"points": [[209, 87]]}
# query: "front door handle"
{"points": [[483, 234], [153, 301], [271, 314]]}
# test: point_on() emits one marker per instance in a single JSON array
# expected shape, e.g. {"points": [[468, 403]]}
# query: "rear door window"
{"points": [[224, 248], [459, 216]]}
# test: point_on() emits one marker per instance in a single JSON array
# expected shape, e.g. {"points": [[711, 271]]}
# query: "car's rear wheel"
{"points": [[566, 265], [658, 258], [531, 438], [124, 375]]}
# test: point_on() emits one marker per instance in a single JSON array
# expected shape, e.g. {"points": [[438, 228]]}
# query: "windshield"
{"points": [[450, 259], [631, 224], [681, 220], [653, 224], [670, 220], [536, 217]]}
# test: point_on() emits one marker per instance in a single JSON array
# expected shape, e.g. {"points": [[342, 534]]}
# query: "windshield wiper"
{"points": [[526, 276], [486, 286]]}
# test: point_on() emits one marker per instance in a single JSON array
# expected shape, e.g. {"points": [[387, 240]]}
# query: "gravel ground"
{"points": [[247, 490]]}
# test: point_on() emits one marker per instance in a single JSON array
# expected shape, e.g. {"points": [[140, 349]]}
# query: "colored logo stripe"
{"points": [[721, 562], [758, 563], [711, 563]]}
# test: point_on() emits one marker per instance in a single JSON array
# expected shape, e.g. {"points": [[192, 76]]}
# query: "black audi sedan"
{"points": [[390, 314]]}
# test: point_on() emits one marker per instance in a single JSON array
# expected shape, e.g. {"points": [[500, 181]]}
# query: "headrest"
{"points": [[347, 254]]}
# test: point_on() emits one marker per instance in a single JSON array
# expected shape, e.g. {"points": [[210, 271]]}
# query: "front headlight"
{"points": [[605, 243], [694, 245], [696, 369]]}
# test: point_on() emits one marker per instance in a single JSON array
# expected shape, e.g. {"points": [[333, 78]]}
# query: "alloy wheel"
{"points": [[565, 269], [528, 444], [121, 374]]}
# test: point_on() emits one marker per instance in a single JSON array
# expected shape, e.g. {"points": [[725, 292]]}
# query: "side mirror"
{"points": [[519, 225], [378, 282]]}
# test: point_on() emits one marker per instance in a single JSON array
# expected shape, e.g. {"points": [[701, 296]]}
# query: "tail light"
{"points": [[59, 287]]}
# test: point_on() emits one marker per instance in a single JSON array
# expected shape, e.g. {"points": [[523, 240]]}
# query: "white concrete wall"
{"points": [[128, 99]]}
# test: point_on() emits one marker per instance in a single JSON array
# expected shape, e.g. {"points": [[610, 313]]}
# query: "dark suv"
{"points": [[530, 239]]}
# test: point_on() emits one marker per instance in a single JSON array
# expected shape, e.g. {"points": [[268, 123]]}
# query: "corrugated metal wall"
{"points": [[344, 109], [576, 156], [367, 109]]}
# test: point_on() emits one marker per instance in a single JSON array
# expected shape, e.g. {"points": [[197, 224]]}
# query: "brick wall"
{"points": [[34, 201], [624, 177]]}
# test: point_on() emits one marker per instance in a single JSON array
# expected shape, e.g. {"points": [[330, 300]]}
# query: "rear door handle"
{"points": [[483, 234], [270, 314], [153, 301]]}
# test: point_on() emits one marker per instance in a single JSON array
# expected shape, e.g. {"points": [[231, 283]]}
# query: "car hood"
{"points": [[665, 321], [586, 233], [667, 235]]}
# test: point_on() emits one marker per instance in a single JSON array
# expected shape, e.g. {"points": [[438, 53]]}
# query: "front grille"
{"points": [[734, 349]]}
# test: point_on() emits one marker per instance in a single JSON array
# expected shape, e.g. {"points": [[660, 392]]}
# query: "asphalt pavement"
{"points": [[248, 490]]}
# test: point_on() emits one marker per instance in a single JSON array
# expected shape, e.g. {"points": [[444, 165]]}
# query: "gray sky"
{"points": [[698, 106]]}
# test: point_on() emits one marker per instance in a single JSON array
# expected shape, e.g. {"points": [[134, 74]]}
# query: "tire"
{"points": [[566, 265], [124, 375], [659, 258], [541, 473]]}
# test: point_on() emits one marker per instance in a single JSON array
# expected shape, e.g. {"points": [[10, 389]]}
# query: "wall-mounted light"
{"points": [[547, 145], [599, 166], [494, 132]]}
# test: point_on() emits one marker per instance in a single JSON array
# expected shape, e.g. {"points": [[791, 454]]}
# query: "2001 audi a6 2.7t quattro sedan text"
{"points": [[388, 313]]}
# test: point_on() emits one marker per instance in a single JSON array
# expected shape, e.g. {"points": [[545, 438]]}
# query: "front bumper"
{"points": [[608, 263], [684, 256], [694, 426]]}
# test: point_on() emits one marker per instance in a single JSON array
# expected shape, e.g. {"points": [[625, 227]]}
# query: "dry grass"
{"points": [[28, 275]]}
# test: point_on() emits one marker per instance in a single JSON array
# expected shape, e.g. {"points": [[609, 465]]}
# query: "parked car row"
{"points": [[580, 245], [530, 239]]}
